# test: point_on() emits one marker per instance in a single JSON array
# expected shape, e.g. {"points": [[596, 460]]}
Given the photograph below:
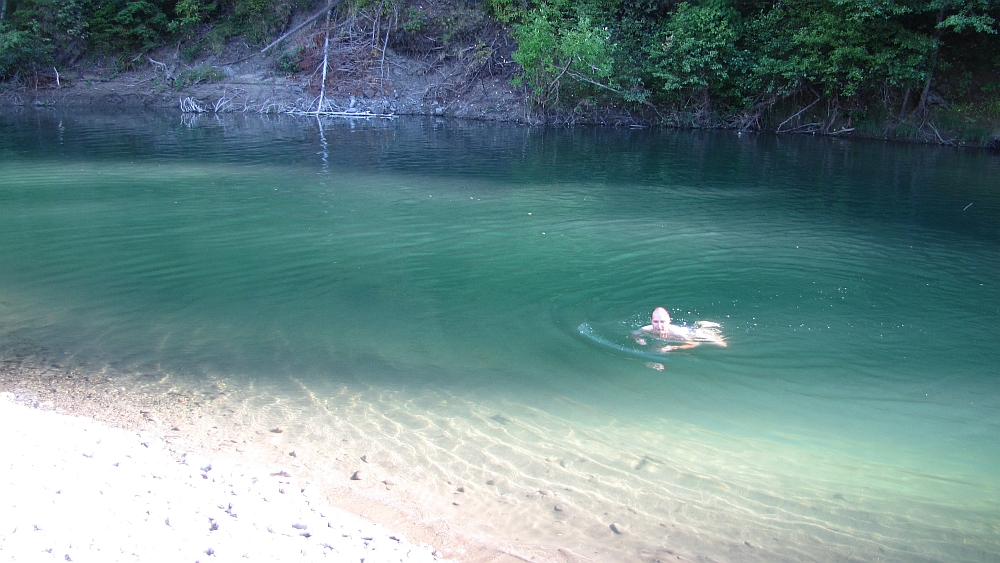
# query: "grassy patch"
{"points": [[201, 73]]}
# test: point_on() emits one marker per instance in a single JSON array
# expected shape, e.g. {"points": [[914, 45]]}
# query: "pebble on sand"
{"points": [[131, 497], [617, 528], [356, 476]]}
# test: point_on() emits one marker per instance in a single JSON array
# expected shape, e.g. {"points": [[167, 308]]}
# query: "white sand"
{"points": [[72, 489]]}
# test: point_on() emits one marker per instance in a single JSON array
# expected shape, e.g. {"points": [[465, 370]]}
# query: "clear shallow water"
{"points": [[427, 281]]}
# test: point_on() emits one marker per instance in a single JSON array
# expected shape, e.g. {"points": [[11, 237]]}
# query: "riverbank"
{"points": [[97, 470], [78, 490], [247, 87], [243, 80]]}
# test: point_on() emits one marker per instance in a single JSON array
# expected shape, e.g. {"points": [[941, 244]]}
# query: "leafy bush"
{"points": [[21, 51], [695, 53], [415, 21], [60, 24], [504, 11], [288, 62], [199, 74], [121, 27], [258, 19], [556, 55], [188, 15]]}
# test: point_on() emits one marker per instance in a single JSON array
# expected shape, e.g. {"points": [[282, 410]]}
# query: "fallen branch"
{"points": [[161, 66], [842, 131], [308, 21], [190, 105], [800, 112], [222, 104], [583, 78], [941, 140]]}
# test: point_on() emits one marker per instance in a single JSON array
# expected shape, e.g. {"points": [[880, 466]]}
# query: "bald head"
{"points": [[660, 320]]}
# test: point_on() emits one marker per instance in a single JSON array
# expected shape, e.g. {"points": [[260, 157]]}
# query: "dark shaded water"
{"points": [[853, 415]]}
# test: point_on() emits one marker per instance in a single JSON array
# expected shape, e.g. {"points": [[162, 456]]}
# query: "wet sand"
{"points": [[43, 400], [75, 489], [481, 481]]}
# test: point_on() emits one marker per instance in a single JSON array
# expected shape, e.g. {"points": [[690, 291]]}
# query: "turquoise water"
{"points": [[855, 414]]}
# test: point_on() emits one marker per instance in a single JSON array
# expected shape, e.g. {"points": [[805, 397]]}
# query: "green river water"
{"points": [[460, 295]]}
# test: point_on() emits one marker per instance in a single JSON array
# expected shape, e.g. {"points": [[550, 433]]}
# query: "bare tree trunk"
{"points": [[705, 111], [3, 10], [922, 106], [326, 58], [906, 104], [331, 5]]}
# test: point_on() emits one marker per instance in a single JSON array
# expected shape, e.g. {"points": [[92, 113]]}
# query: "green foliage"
{"points": [[120, 26], [554, 49], [695, 52], [188, 15], [440, 27], [504, 11], [864, 58], [841, 50], [415, 21], [21, 51], [288, 62], [197, 75], [258, 19], [59, 23]]}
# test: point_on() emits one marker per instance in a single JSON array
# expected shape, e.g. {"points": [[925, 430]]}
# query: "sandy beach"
{"points": [[232, 483], [455, 485], [75, 489]]}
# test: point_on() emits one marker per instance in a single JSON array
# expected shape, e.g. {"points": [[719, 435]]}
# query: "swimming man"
{"points": [[661, 329]]}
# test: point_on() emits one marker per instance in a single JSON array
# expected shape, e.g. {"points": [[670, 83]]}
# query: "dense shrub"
{"points": [[21, 51]]}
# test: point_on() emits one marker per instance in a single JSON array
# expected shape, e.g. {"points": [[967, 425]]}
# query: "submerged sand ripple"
{"points": [[496, 481]]}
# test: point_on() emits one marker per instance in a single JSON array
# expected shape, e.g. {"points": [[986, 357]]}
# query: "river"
{"points": [[453, 301]]}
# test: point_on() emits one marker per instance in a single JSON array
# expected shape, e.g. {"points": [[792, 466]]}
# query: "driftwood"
{"points": [[326, 62], [800, 112], [330, 6], [190, 105]]}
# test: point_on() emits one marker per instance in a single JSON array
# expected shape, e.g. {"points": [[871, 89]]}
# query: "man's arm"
{"points": [[684, 346], [637, 335]]}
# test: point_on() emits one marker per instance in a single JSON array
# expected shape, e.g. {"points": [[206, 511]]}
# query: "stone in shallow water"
{"points": [[500, 418]]}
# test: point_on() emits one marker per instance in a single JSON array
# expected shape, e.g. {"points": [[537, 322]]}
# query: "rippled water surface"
{"points": [[460, 294]]}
